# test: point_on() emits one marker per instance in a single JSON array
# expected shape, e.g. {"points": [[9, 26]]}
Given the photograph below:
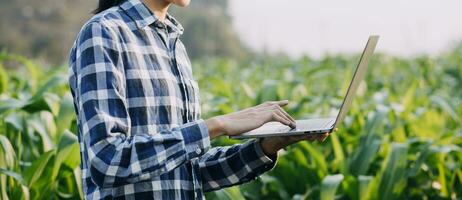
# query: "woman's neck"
{"points": [[158, 7]]}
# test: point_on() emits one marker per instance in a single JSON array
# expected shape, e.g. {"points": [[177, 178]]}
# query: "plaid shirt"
{"points": [[140, 131]]}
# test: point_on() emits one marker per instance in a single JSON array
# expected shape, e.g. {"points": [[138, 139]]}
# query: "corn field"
{"points": [[402, 138]]}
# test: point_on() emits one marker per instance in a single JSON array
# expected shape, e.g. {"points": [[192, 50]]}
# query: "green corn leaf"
{"points": [[36, 125], [252, 190], [408, 100], [68, 151], [300, 157], [423, 155], [364, 186], [288, 165], [35, 71], [317, 157], [269, 92], [393, 172], [3, 80], [13, 175], [442, 180], [36, 105], [66, 113], [248, 90], [15, 120], [362, 160], [221, 87], [3, 188], [46, 102], [232, 193], [18, 193], [11, 104], [7, 153], [49, 123], [338, 151], [56, 80], [34, 172], [274, 185], [73, 160], [446, 107], [368, 146], [78, 181], [329, 186]]}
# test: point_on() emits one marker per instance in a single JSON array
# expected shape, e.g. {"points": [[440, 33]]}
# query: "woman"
{"points": [[140, 130]]}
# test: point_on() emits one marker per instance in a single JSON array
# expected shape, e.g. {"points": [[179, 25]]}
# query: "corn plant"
{"points": [[402, 138], [39, 154]]}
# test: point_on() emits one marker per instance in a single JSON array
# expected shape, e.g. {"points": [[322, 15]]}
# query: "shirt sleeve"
{"points": [[115, 155], [233, 165]]}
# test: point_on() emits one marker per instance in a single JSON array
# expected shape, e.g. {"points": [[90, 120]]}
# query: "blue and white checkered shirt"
{"points": [[139, 126]]}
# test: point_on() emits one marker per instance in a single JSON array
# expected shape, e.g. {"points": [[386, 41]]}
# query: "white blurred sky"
{"points": [[407, 27]]}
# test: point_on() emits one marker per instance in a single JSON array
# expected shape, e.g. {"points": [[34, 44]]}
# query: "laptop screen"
{"points": [[357, 78]]}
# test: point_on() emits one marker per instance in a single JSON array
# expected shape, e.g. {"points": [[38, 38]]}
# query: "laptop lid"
{"points": [[357, 78]]}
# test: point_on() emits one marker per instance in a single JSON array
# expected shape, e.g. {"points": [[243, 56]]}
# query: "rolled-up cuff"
{"points": [[196, 138], [255, 159], [268, 160]]}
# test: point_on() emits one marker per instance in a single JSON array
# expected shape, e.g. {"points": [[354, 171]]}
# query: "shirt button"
{"points": [[158, 24], [198, 151]]}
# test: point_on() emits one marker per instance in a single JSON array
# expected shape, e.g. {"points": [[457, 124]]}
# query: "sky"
{"points": [[296, 27]]}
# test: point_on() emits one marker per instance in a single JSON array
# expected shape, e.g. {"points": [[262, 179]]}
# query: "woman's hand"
{"points": [[249, 119], [271, 145]]}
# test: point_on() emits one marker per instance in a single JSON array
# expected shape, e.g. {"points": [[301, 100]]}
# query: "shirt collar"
{"points": [[143, 17]]}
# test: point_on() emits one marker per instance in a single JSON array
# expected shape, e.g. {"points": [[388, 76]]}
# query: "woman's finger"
{"points": [[277, 108], [286, 114], [323, 137], [309, 137], [282, 103], [280, 114], [272, 103], [280, 118], [297, 138], [316, 137]]}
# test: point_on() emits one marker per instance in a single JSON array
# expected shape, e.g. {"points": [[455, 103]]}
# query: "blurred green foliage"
{"points": [[46, 29], [39, 154], [208, 30], [401, 140]]}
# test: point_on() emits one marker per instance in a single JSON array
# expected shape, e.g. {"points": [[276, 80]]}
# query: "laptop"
{"points": [[319, 125]]}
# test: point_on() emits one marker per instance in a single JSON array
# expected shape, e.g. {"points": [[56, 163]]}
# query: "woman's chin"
{"points": [[181, 3]]}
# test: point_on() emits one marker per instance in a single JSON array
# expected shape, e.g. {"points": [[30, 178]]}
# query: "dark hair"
{"points": [[106, 4]]}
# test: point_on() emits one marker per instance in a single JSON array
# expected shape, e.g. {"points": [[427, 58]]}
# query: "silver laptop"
{"points": [[319, 125]]}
